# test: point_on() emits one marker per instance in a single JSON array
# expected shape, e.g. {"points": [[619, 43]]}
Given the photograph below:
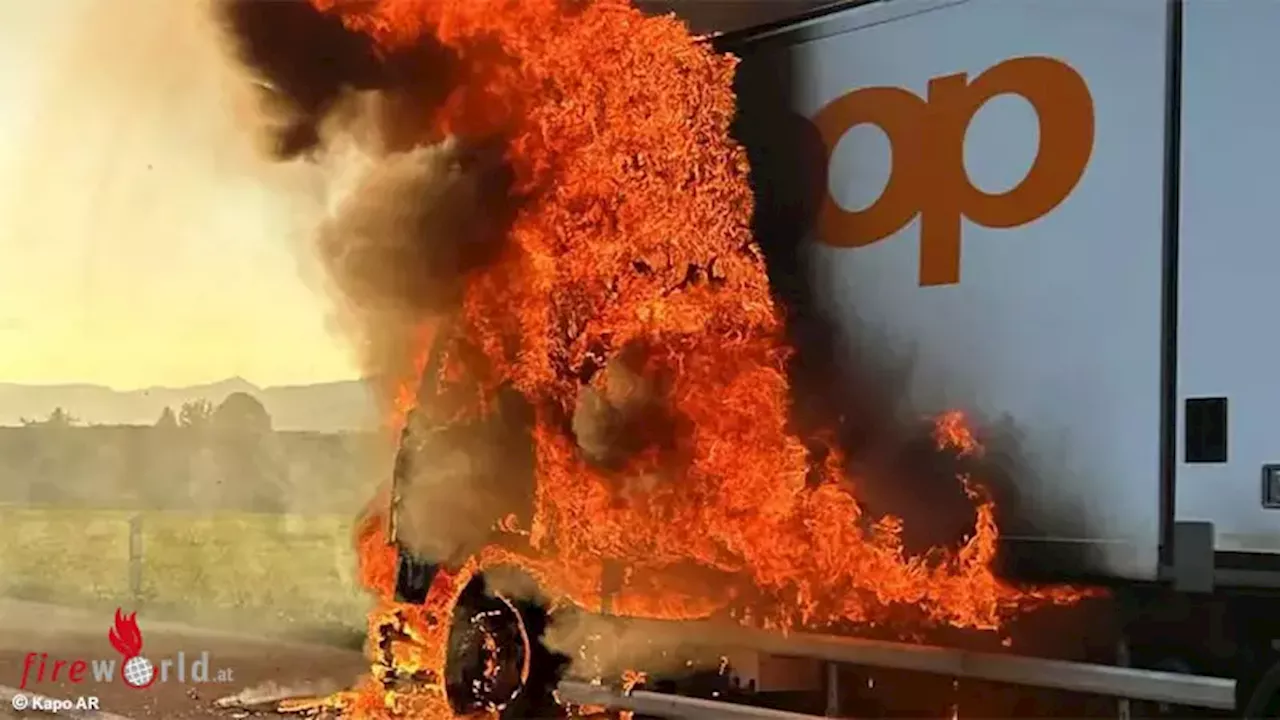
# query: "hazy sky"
{"points": [[142, 239]]}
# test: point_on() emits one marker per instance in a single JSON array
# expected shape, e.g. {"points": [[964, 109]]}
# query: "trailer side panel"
{"points": [[973, 231]]}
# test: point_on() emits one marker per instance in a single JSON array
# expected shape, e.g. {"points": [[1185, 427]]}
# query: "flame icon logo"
{"points": [[136, 671]]}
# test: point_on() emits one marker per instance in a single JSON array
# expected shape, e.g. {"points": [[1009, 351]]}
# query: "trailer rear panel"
{"points": [[1228, 345]]}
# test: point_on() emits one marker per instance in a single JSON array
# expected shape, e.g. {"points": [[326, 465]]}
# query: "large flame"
{"points": [[635, 233]]}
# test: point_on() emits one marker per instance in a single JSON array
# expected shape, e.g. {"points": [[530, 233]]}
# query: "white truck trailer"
{"points": [[1054, 215], [1060, 213]]}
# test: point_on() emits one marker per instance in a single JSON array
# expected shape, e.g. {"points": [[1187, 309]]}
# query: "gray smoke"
{"points": [[397, 244]]}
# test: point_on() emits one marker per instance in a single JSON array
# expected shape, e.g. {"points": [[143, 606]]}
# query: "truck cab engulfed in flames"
{"points": [[612, 406]]}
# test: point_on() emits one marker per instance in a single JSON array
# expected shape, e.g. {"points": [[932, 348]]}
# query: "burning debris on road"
{"points": [[541, 237]]}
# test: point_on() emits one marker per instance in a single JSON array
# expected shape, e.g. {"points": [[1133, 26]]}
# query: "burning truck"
{"points": [[578, 247]]}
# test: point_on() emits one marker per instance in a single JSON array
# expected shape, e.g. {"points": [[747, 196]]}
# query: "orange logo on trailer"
{"points": [[928, 177]]}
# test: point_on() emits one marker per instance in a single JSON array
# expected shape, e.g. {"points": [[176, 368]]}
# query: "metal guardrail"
{"points": [[673, 707], [1108, 680]]}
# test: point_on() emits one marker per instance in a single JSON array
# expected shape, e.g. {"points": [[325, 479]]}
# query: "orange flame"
{"points": [[636, 233], [406, 396], [631, 679]]}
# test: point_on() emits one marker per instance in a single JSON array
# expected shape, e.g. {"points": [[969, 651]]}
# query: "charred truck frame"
{"points": [[1058, 212]]}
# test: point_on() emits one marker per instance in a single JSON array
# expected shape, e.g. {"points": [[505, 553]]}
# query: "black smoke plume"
{"points": [[410, 213]]}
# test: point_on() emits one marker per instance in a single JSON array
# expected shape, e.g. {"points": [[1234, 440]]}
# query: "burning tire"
{"points": [[495, 658], [1264, 699], [489, 652], [481, 653]]}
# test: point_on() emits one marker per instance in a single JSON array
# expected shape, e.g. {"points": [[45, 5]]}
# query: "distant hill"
{"points": [[325, 407]]}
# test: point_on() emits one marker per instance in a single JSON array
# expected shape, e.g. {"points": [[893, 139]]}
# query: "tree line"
{"points": [[201, 456], [239, 412]]}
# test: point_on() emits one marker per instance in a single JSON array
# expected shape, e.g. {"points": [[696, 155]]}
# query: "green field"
{"points": [[257, 569]]}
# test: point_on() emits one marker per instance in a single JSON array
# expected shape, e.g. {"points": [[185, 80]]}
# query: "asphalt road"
{"points": [[234, 663]]}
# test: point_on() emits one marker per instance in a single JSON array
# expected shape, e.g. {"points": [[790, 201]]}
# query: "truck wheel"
{"points": [[496, 659], [1264, 700]]}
